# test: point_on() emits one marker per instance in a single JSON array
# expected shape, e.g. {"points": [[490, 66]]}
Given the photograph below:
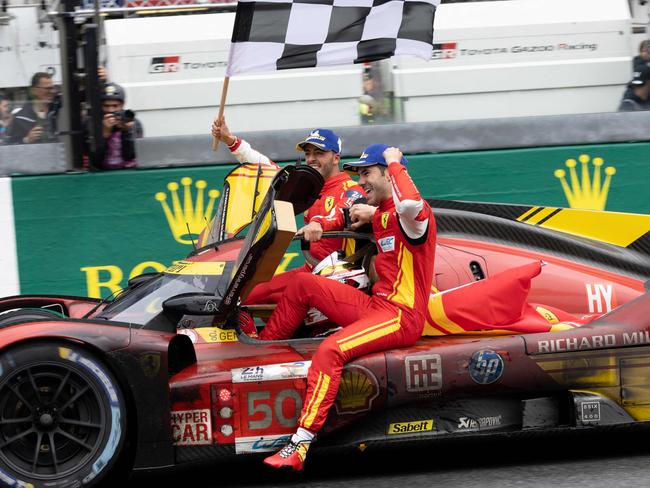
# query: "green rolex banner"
{"points": [[87, 234], [595, 177]]}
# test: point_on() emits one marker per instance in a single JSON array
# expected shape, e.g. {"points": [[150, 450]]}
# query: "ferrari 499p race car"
{"points": [[162, 375]]}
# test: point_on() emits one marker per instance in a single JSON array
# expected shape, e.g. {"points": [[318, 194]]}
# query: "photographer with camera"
{"points": [[36, 120], [120, 128]]}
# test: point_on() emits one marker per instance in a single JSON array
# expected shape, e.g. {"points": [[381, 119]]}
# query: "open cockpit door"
{"points": [[244, 189], [292, 191]]}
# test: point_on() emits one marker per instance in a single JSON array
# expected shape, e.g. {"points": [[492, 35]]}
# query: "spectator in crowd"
{"points": [[367, 102], [120, 128], [373, 103], [642, 58], [636, 96], [5, 118], [34, 121]]}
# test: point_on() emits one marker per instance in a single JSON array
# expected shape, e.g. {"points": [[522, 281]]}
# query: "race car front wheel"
{"points": [[14, 317], [62, 416]]}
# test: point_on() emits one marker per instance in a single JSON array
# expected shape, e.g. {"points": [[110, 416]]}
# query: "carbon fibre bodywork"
{"points": [[197, 389]]}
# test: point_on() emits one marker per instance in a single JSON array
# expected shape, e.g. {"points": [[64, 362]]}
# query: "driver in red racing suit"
{"points": [[405, 231], [322, 149]]}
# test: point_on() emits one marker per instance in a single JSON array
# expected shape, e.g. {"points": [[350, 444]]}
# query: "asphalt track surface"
{"points": [[614, 459]]}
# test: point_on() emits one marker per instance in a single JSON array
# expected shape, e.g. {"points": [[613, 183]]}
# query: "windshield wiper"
{"points": [[112, 296]]}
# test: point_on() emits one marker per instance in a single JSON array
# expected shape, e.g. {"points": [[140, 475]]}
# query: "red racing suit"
{"points": [[392, 317], [338, 192]]}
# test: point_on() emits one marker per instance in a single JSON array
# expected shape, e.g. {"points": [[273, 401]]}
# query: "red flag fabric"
{"points": [[497, 304]]}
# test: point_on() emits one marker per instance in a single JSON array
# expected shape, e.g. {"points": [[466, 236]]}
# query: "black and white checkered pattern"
{"points": [[281, 34]]}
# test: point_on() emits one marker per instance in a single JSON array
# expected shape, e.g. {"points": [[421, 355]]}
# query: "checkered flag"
{"points": [[281, 34]]}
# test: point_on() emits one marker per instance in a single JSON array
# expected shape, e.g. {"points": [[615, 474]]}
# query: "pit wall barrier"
{"points": [[88, 233]]}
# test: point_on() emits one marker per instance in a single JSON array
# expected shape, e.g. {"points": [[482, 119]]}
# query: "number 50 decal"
{"points": [[272, 411]]}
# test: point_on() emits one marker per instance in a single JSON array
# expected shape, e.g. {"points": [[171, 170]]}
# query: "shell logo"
{"points": [[357, 390]]}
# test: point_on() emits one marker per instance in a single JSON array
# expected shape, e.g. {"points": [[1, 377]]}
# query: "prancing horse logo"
{"points": [[384, 219], [329, 203]]}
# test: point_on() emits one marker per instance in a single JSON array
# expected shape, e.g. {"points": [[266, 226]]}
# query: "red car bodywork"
{"points": [[198, 389]]}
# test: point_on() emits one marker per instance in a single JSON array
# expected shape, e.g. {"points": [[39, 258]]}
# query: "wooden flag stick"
{"points": [[224, 92]]}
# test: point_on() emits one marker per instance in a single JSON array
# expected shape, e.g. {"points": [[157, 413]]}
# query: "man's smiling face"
{"points": [[325, 162], [376, 184]]}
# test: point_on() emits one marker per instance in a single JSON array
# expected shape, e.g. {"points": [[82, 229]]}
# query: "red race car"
{"points": [[162, 375]]}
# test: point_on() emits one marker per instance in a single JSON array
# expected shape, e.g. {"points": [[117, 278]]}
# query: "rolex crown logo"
{"points": [[587, 191], [187, 218]]}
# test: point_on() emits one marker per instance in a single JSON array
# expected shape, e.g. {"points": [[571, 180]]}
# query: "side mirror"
{"points": [[193, 304]]}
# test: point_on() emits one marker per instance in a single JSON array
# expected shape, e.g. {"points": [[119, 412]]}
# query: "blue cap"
{"points": [[324, 139], [372, 155]]}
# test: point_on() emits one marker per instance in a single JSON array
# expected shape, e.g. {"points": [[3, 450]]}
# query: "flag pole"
{"points": [[224, 92]]}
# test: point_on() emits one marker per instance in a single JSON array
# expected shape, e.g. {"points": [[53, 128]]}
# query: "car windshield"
{"points": [[144, 302]]}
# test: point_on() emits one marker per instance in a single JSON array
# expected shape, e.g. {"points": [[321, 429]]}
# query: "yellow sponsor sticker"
{"points": [[215, 334], [212, 268], [410, 427], [548, 315]]}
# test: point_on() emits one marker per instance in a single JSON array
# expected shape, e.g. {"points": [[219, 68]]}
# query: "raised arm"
{"points": [[241, 149], [413, 212]]}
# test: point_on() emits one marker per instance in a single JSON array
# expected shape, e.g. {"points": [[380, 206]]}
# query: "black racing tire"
{"points": [[62, 417], [25, 315]]}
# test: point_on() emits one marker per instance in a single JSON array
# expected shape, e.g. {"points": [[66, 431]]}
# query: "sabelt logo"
{"points": [[165, 64], [410, 427]]}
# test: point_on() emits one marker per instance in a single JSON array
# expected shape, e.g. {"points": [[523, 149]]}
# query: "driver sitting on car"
{"points": [[405, 232], [322, 148]]}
